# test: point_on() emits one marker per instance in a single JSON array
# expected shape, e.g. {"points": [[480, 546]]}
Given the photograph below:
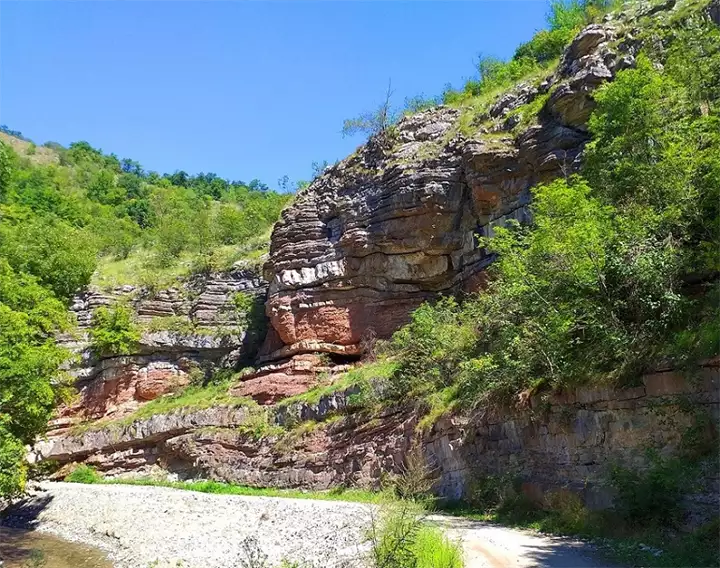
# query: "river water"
{"points": [[29, 549]]}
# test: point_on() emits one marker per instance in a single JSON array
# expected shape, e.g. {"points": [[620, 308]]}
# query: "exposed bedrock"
{"points": [[187, 331], [569, 441], [397, 222]]}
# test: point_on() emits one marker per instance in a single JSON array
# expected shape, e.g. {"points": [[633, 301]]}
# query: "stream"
{"points": [[30, 549]]}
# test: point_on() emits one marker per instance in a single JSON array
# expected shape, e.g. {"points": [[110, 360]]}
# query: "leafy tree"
{"points": [[7, 162], [114, 331], [60, 256], [30, 360], [257, 185]]}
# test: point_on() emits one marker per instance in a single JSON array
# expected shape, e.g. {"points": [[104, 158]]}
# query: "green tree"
{"points": [[373, 122], [59, 255], [114, 331], [7, 161], [30, 376]]}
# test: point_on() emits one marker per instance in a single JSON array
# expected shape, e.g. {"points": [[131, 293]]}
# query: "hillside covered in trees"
{"points": [[74, 216]]}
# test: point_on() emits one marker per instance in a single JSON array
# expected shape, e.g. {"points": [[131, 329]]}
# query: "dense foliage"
{"points": [[29, 368], [618, 270], [60, 219], [114, 331]]}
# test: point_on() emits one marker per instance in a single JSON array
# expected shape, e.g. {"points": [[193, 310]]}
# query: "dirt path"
{"points": [[160, 527], [491, 546]]}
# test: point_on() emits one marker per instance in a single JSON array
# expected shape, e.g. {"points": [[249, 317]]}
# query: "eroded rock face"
{"points": [[567, 442], [396, 223], [206, 336], [287, 378]]}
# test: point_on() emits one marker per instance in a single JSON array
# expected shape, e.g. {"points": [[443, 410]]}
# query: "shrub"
{"points": [[401, 538], [250, 309], [545, 45], [374, 122], [13, 470], [83, 474], [114, 331], [417, 478], [652, 497]]}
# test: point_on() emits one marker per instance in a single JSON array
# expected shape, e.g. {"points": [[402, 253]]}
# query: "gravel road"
{"points": [[155, 527]]}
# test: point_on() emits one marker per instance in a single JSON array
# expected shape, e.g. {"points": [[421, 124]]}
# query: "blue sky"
{"points": [[243, 89]]}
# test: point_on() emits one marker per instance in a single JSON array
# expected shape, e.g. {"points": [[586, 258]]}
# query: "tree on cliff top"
{"points": [[373, 122]]}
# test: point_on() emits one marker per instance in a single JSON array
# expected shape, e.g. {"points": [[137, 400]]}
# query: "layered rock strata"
{"points": [[567, 442], [397, 222], [187, 332]]}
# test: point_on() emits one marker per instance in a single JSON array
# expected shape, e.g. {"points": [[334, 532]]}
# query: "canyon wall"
{"points": [[374, 236], [187, 332], [567, 441], [397, 222]]}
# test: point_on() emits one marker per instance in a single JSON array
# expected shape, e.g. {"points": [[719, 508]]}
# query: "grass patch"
{"points": [[219, 488], [141, 267], [433, 549], [191, 398], [359, 376], [83, 474], [137, 269], [440, 403], [474, 108]]}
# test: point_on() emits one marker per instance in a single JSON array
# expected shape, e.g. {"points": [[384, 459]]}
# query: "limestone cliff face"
{"points": [[189, 329], [396, 223]]}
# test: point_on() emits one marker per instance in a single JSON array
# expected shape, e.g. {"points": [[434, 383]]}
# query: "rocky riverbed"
{"points": [[143, 527], [154, 527]]}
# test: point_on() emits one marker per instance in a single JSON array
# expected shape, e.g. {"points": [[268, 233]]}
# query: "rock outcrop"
{"points": [[397, 222], [374, 236], [187, 332], [567, 442]]}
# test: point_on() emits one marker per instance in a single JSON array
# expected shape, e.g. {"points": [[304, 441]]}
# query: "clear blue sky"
{"points": [[243, 89]]}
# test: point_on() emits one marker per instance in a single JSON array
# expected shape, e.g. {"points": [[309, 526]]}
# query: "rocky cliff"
{"points": [[397, 222], [569, 442], [189, 331], [374, 236]]}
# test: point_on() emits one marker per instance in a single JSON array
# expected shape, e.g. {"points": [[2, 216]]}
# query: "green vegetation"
{"points": [[531, 62], [400, 537], [338, 494], [564, 19], [374, 122], [189, 399], [361, 377], [636, 533], [78, 212], [114, 331], [61, 221], [30, 378], [83, 474], [618, 269]]}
